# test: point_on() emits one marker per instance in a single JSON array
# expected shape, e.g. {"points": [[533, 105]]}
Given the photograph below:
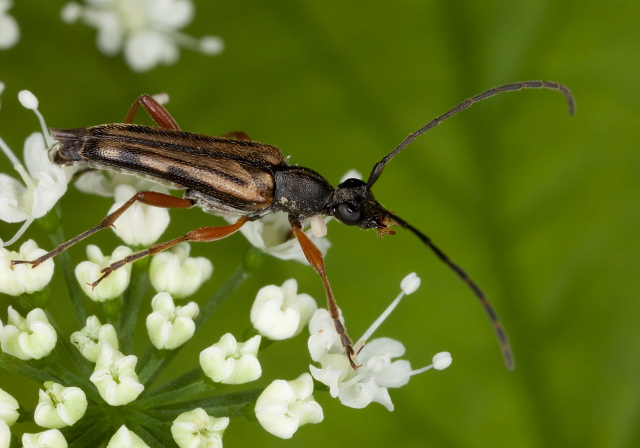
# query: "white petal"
{"points": [[146, 49], [140, 225], [8, 407], [171, 13], [9, 31], [124, 438], [11, 200], [52, 438]]}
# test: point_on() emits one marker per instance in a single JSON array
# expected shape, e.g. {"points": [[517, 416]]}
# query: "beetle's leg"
{"points": [[156, 111], [146, 197], [238, 135], [163, 118], [314, 256], [203, 234]]}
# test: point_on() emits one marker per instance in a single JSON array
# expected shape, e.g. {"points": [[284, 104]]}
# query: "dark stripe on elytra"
{"points": [[173, 174], [207, 189], [107, 133], [129, 158]]}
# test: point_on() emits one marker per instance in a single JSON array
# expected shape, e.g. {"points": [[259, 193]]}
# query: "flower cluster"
{"points": [[145, 30], [109, 397]]}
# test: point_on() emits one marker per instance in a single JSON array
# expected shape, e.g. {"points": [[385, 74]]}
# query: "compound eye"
{"points": [[348, 214]]}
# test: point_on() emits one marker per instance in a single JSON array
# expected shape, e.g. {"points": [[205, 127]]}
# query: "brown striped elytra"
{"points": [[234, 175]]}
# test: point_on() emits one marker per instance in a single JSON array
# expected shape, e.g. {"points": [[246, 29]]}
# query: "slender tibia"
{"points": [[315, 258]]}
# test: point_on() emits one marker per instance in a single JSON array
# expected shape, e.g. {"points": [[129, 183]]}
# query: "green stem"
{"points": [[51, 224], [145, 435], [236, 404], [91, 437], [189, 390], [158, 429], [78, 360], [238, 277], [153, 365], [24, 368], [181, 381], [131, 304]]}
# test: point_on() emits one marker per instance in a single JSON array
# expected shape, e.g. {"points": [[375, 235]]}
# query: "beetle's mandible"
{"points": [[233, 175]]}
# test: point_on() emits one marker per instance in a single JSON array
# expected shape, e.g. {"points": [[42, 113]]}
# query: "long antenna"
{"points": [[503, 340], [377, 169]]}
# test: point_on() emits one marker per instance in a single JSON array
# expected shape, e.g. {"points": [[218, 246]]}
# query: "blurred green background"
{"points": [[540, 208]]}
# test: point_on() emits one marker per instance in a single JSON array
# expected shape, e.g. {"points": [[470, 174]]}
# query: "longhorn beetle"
{"points": [[233, 175]]}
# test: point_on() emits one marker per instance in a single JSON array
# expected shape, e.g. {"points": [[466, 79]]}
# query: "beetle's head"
{"points": [[354, 205]]}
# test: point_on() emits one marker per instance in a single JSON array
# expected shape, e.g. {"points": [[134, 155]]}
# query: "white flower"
{"points": [[30, 338], [173, 271], [22, 278], [115, 376], [140, 224], [197, 429], [44, 182], [170, 326], [272, 235], [146, 30], [369, 383], [52, 438], [5, 434], [9, 30], [8, 408], [280, 312], [231, 362], [124, 438], [284, 406], [377, 371], [88, 339], [59, 406], [88, 272]]}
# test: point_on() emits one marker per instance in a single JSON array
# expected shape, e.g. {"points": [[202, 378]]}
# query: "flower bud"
{"points": [[59, 406], [140, 224], [198, 429], [284, 406], [22, 278], [124, 438], [30, 338], [8, 408], [170, 326], [231, 362], [88, 339], [52, 438], [173, 271], [280, 312], [111, 287], [115, 376]]}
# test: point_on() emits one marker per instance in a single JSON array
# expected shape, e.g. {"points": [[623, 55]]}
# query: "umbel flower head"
{"points": [[112, 397]]}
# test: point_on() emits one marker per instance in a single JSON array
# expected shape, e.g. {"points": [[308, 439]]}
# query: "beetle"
{"points": [[234, 175]]}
